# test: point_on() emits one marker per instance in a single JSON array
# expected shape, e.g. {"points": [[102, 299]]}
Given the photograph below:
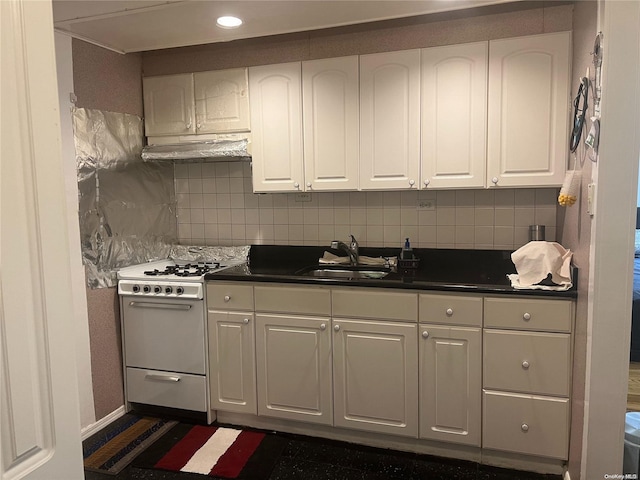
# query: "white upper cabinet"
{"points": [[222, 101], [454, 116], [390, 120], [331, 127], [528, 110], [276, 120], [168, 105]]}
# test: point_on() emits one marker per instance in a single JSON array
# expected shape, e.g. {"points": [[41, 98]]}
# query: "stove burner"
{"points": [[185, 270]]}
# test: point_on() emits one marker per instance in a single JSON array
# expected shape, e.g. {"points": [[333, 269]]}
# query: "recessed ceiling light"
{"points": [[229, 22]]}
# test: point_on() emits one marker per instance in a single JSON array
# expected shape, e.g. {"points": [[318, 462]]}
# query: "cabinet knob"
{"points": [[296, 185], [308, 184], [427, 182], [227, 298], [526, 316], [245, 321], [494, 180], [425, 334], [449, 312], [198, 125], [524, 427], [188, 126], [336, 328], [412, 183], [323, 326], [525, 365]]}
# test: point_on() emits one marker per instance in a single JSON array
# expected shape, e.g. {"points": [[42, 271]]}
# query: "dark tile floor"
{"points": [[306, 458]]}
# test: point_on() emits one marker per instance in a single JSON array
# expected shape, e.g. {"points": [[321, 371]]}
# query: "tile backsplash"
{"points": [[216, 206]]}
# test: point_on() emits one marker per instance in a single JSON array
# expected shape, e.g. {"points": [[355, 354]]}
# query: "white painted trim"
{"points": [[88, 40], [86, 432]]}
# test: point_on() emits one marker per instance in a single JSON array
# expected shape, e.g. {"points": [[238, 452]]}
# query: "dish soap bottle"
{"points": [[407, 251]]}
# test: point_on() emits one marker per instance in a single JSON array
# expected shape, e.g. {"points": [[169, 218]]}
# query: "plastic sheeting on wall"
{"points": [[126, 206]]}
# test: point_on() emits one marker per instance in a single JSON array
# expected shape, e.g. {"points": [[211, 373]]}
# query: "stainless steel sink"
{"points": [[345, 272]]}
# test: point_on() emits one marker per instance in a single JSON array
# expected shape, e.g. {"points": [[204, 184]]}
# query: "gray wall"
{"points": [[576, 229], [106, 80]]}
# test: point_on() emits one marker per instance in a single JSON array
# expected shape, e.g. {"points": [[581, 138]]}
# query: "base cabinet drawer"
{"points": [[167, 389], [527, 424], [531, 362]]}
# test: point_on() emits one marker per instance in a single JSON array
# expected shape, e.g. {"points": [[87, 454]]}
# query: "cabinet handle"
{"points": [[526, 316], [494, 180], [162, 378], [336, 328], [425, 334], [227, 298], [198, 126], [308, 184], [525, 365], [427, 182], [449, 312], [323, 326], [524, 427], [412, 183], [245, 321], [296, 185], [188, 126]]}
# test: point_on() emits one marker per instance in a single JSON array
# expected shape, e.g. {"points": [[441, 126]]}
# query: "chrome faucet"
{"points": [[351, 249]]}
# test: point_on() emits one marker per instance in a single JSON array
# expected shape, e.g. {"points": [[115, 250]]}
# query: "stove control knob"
{"points": [[180, 290], [146, 289], [136, 288], [157, 289], [168, 290]]}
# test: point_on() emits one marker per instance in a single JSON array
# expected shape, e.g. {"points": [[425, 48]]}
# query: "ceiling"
{"points": [[139, 25]]}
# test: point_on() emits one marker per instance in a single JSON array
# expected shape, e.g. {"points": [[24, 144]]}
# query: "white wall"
{"points": [[611, 259], [65, 87]]}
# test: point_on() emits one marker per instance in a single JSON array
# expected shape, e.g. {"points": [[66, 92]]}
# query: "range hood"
{"points": [[209, 150]]}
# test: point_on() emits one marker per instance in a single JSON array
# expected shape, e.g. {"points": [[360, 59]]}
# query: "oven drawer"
{"points": [[164, 334], [167, 389]]}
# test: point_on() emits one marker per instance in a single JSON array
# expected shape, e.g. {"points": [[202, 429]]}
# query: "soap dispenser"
{"points": [[407, 252]]}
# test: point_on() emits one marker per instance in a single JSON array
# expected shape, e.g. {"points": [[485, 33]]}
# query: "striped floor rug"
{"points": [[215, 451], [113, 448]]}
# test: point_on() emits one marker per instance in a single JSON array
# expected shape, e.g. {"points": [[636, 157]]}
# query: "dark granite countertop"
{"points": [[455, 270]]}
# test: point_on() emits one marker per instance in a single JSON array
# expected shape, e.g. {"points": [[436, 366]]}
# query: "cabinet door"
{"points": [[376, 376], [450, 384], [276, 120], [528, 110], [454, 116], [330, 96], [222, 101], [232, 361], [169, 105], [294, 368], [390, 120]]}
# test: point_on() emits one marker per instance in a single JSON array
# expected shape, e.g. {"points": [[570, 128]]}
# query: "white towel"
{"points": [[536, 260], [330, 258]]}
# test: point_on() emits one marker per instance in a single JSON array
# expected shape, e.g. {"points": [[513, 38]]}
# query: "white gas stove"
{"points": [[168, 278]]}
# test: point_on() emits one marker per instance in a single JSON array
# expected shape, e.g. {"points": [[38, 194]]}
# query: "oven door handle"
{"points": [[162, 378], [167, 306]]}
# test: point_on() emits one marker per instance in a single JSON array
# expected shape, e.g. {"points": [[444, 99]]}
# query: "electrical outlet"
{"points": [[303, 197], [426, 204]]}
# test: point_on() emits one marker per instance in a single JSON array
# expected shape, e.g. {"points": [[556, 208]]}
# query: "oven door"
{"points": [[164, 334]]}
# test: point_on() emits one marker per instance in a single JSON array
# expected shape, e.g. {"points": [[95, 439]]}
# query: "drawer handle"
{"points": [[164, 306], [527, 316], [425, 334], [525, 365], [245, 321], [449, 312], [162, 378], [323, 326], [227, 298], [524, 427], [336, 328]]}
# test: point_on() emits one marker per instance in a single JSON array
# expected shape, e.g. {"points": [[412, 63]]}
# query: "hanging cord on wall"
{"points": [[580, 106]]}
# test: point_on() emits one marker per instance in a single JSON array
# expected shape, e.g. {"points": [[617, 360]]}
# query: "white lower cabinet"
{"points": [[376, 376], [232, 361], [293, 358], [529, 424], [450, 383]]}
